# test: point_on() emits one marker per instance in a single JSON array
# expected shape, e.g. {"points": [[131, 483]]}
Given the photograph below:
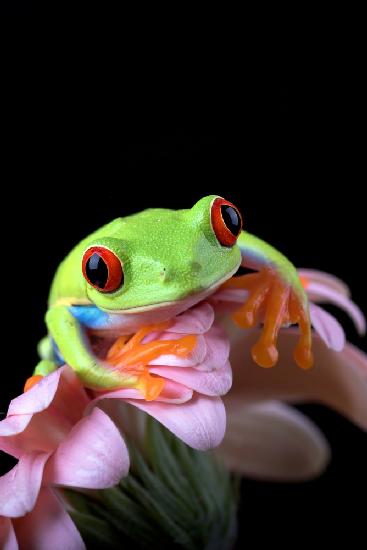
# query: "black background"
{"points": [[16, 7], [288, 154]]}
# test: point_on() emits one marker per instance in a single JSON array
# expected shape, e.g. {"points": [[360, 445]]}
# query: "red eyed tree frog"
{"points": [[149, 267]]}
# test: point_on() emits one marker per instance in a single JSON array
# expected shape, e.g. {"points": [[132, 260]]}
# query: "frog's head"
{"points": [[162, 256]]}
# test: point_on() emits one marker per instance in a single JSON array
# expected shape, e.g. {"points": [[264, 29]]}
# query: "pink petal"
{"points": [[130, 420], [356, 357], [63, 385], [211, 352], [40, 418], [172, 393], [209, 383], [327, 328], [338, 379], [325, 279], [36, 433], [225, 308], [48, 526], [93, 456], [14, 424], [37, 398], [217, 349], [200, 423], [320, 293], [8, 539], [197, 356], [269, 440], [19, 488], [225, 301], [197, 320], [236, 295], [23, 407]]}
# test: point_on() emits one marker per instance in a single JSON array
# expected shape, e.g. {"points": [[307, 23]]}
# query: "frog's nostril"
{"points": [[175, 275], [195, 267]]}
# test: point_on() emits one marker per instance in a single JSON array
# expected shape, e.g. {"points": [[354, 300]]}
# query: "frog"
{"points": [[144, 269]]}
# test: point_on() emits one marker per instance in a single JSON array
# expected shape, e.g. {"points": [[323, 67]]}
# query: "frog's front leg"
{"points": [[72, 342], [275, 296]]}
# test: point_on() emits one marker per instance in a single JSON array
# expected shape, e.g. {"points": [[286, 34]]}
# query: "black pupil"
{"points": [[231, 218], [96, 270]]}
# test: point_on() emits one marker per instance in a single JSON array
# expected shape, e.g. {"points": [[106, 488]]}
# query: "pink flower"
{"points": [[47, 526], [189, 404], [62, 438], [269, 439], [56, 445]]}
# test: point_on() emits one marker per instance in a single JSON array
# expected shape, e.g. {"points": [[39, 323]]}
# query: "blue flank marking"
{"points": [[58, 358], [92, 317]]}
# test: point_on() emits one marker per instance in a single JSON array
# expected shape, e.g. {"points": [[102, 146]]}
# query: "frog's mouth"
{"points": [[182, 303], [128, 321]]}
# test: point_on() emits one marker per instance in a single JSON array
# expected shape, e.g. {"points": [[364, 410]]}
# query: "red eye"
{"points": [[102, 269], [226, 221]]}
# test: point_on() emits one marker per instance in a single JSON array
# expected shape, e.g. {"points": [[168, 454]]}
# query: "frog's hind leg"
{"points": [[50, 357], [45, 349], [43, 368], [47, 364]]}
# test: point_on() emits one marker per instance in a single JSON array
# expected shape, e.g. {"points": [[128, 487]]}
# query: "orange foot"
{"points": [[32, 381], [133, 357], [277, 304]]}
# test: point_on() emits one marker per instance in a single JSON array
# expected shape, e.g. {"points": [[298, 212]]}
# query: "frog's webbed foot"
{"points": [[132, 357], [275, 303]]}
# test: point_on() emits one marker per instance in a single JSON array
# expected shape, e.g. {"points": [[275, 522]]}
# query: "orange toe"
{"points": [[32, 381], [131, 357], [275, 303]]}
